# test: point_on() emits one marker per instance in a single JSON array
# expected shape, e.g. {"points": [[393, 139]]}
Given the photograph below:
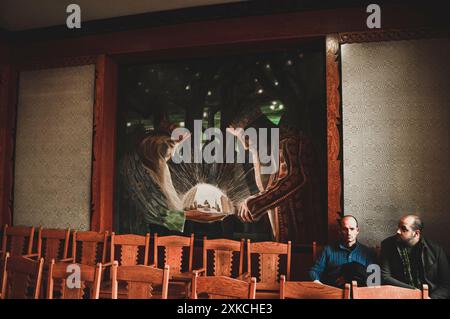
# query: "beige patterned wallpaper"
{"points": [[54, 148], [396, 130]]}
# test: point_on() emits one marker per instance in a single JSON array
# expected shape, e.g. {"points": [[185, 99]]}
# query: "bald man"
{"points": [[345, 260], [409, 260]]}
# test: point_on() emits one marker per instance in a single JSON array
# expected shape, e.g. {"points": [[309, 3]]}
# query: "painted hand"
{"points": [[244, 213]]}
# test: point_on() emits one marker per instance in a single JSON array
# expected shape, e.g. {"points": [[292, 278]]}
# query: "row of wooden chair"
{"points": [[22, 275], [90, 248], [22, 278], [313, 290]]}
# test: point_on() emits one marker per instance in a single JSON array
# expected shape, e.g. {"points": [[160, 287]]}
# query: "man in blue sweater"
{"points": [[345, 260]]}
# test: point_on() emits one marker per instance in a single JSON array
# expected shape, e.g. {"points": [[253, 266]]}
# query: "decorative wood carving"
{"points": [[269, 269], [392, 35], [129, 255], [89, 253], [269, 256], [173, 258], [223, 251], [223, 262], [333, 135]]}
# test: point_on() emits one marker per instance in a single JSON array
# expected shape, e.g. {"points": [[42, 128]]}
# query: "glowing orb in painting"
{"points": [[209, 202]]}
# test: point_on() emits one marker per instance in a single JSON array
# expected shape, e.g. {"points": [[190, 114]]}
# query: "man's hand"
{"points": [[340, 281], [244, 213]]}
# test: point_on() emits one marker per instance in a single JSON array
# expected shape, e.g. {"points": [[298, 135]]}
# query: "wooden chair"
{"points": [[141, 280], [86, 245], [269, 254], [222, 250], [128, 250], [222, 287], [53, 244], [22, 277], [90, 278], [311, 290], [173, 256], [388, 292], [17, 240]]}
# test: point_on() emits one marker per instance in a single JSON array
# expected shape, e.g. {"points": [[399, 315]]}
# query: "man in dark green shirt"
{"points": [[409, 260]]}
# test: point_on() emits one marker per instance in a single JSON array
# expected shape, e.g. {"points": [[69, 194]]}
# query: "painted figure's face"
{"points": [[405, 232], [349, 231]]}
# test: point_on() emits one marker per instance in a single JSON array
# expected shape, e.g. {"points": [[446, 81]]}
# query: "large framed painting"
{"points": [[230, 145]]}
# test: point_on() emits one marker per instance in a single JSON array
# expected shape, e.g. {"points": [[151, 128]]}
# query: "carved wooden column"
{"points": [[333, 136], [104, 148]]}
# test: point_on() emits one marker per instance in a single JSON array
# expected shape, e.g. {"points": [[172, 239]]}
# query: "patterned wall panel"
{"points": [[54, 147], [396, 129]]}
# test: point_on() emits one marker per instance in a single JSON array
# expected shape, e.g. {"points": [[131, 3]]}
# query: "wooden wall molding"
{"points": [[230, 32], [104, 144], [49, 63], [333, 135], [104, 138], [392, 35], [8, 102]]}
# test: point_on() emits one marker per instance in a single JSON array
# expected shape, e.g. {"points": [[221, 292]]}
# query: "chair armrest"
{"points": [[200, 271], [65, 260], [244, 277], [109, 264], [30, 256]]}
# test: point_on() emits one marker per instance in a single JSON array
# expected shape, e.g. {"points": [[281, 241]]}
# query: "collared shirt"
{"points": [[327, 266]]}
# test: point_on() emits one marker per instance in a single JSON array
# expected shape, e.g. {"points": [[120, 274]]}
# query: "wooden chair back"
{"points": [[388, 292], [269, 254], [89, 247], [22, 277], [311, 290], [222, 287], [141, 280], [130, 249], [17, 240], [223, 250], [53, 244], [90, 278], [173, 251]]}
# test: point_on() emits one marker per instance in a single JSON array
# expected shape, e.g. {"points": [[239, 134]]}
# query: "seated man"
{"points": [[409, 260], [344, 261]]}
